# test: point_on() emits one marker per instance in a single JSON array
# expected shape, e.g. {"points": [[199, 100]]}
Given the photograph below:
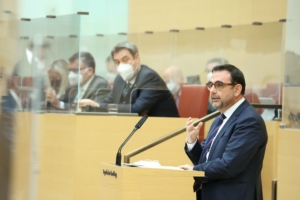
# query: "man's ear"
{"points": [[137, 56], [238, 89], [91, 70]]}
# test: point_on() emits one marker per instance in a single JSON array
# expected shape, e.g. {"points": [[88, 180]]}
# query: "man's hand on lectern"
{"points": [[186, 167]]}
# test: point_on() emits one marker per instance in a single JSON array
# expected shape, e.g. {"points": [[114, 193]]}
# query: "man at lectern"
{"points": [[137, 88], [232, 154]]}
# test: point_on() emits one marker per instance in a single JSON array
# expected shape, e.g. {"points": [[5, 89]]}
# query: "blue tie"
{"points": [[126, 89], [211, 137]]}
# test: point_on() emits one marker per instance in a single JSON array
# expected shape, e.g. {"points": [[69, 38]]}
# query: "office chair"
{"points": [[193, 103]]}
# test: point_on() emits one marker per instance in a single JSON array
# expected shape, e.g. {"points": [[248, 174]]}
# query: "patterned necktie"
{"points": [[211, 137], [126, 89]]}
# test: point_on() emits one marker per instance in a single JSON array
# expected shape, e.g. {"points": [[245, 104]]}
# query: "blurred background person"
{"points": [[211, 63], [10, 105], [58, 77], [12, 102], [174, 80], [111, 71], [33, 62], [90, 85], [208, 68], [32, 71]]}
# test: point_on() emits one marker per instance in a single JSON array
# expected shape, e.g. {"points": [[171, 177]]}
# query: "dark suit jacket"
{"points": [[9, 103], [96, 91], [149, 95], [236, 158]]}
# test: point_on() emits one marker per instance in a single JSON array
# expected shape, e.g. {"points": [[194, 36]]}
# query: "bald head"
{"points": [[174, 73]]}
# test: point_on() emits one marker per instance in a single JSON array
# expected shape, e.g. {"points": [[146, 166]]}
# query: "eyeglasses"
{"points": [[76, 70], [218, 85]]}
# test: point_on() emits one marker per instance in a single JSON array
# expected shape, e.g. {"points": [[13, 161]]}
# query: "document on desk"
{"points": [[151, 164]]}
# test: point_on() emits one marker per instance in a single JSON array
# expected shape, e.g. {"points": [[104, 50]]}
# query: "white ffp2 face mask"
{"points": [[173, 86], [73, 78], [126, 71]]}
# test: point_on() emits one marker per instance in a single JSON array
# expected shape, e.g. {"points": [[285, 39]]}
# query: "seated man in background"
{"points": [[174, 79], [209, 66], [91, 86], [137, 88]]}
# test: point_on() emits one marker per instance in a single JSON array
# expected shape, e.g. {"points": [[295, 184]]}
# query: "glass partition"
{"points": [[46, 77], [291, 106], [255, 48]]}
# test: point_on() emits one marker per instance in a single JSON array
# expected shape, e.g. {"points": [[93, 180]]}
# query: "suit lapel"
{"points": [[90, 91], [232, 118], [119, 90]]}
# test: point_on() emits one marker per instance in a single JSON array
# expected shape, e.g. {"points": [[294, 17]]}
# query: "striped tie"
{"points": [[211, 137]]}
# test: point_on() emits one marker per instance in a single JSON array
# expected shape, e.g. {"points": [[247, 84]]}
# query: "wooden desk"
{"points": [[71, 149]]}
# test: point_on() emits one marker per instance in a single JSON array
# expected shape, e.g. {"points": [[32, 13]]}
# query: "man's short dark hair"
{"points": [[125, 45], [86, 58], [237, 76]]}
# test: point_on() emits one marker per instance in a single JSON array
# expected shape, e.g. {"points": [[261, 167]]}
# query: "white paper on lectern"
{"points": [[151, 164]]}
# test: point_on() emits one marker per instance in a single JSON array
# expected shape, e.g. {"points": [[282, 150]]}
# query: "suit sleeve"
{"points": [[195, 153], [152, 92], [246, 139], [102, 92]]}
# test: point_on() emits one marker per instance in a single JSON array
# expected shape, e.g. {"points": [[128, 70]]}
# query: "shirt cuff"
{"points": [[190, 146]]}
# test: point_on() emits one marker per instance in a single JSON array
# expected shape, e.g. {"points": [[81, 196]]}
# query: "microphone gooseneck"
{"points": [[137, 126]]}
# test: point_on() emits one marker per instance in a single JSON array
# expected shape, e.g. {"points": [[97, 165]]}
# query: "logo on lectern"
{"points": [[109, 173]]}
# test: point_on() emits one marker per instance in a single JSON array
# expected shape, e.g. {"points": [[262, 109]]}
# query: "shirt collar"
{"points": [[231, 110]]}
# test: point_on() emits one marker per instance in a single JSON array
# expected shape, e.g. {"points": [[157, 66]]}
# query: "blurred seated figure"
{"points": [[174, 79], [111, 71], [32, 63], [32, 71], [208, 68], [10, 105], [90, 85], [58, 77], [12, 102], [137, 88]]}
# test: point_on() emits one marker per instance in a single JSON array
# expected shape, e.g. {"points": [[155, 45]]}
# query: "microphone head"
{"points": [[141, 122]]}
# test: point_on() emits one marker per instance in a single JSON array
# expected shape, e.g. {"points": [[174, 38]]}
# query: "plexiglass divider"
{"points": [[291, 106], [47, 44]]}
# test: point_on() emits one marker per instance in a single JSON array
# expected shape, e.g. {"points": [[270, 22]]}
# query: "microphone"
{"points": [[137, 126]]}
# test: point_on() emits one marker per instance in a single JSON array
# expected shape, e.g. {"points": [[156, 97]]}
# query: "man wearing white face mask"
{"points": [[90, 86], [174, 79], [137, 88]]}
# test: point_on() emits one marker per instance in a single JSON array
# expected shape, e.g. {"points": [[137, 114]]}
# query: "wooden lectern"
{"points": [[129, 183]]}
